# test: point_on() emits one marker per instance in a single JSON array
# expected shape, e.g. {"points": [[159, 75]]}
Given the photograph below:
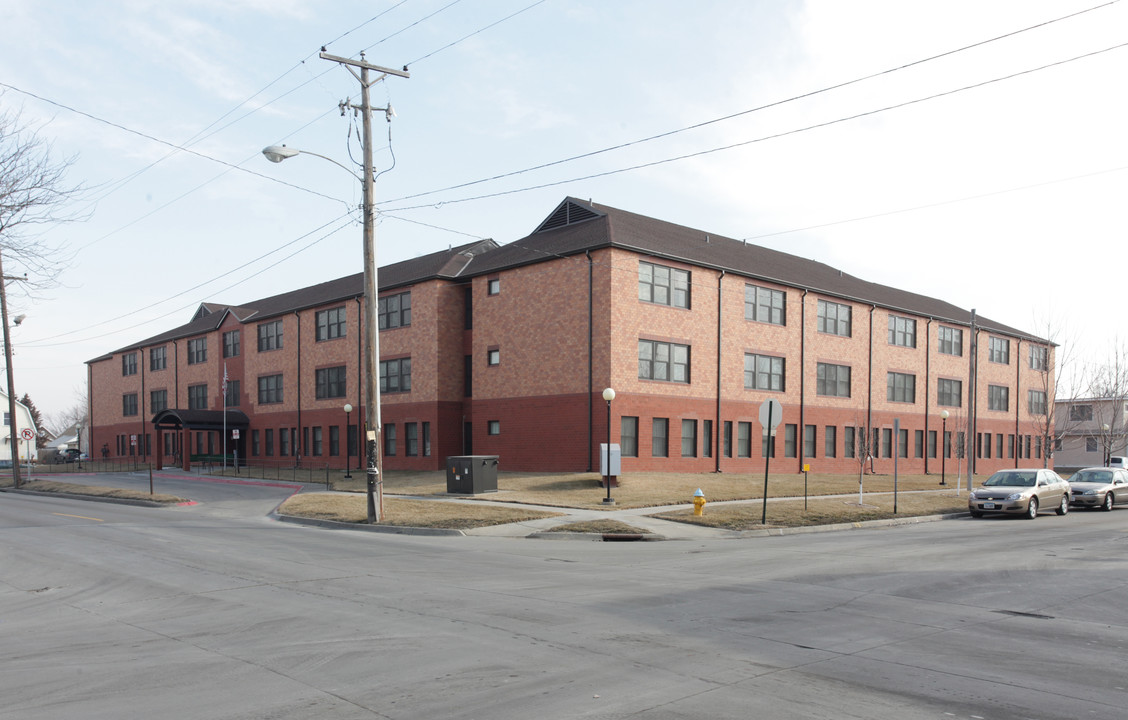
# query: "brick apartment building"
{"points": [[505, 350]]}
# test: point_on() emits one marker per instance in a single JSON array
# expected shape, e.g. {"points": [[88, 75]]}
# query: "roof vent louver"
{"points": [[568, 213]]}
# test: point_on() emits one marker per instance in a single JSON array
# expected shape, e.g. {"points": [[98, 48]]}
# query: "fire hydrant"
{"points": [[698, 503]]}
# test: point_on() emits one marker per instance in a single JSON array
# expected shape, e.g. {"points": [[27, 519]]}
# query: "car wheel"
{"points": [[1032, 509], [976, 514], [1109, 501], [1063, 506]]}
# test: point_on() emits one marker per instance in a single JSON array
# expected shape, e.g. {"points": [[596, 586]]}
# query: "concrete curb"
{"points": [[91, 498], [388, 529]]}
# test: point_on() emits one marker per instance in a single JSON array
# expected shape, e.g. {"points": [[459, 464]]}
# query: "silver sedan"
{"points": [[1020, 492], [1099, 487]]}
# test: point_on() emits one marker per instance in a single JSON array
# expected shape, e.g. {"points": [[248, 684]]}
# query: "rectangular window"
{"points": [[660, 438], [268, 440], [903, 443], [493, 286], [887, 442], [998, 350], [790, 431], [390, 440], [1039, 358], [270, 336], [411, 437], [999, 445], [331, 324], [663, 285], [830, 441], [931, 443], [664, 361], [231, 397], [426, 439], [744, 439], [129, 364], [1081, 412], [231, 344], [394, 311], [902, 331], [763, 372], [848, 440], [128, 405], [270, 390], [284, 441], [197, 397], [765, 305], [951, 341], [707, 438], [809, 434], [197, 351], [918, 443], [157, 359], [901, 387], [1036, 402], [726, 438], [834, 318], [493, 357], [330, 382], [158, 400], [317, 441], [628, 436], [395, 375], [949, 392], [998, 397], [768, 446], [1090, 444], [493, 427], [833, 380], [256, 443], [689, 438]]}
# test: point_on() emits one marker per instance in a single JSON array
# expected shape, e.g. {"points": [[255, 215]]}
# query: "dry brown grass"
{"points": [[583, 490], [822, 510], [600, 527], [50, 486], [353, 508]]}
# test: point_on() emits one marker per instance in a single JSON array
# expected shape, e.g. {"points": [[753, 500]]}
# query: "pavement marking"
{"points": [[81, 517]]}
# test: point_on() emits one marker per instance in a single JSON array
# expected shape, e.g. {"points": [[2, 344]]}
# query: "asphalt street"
{"points": [[215, 610]]}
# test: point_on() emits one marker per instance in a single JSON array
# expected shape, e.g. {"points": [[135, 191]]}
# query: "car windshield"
{"points": [[1093, 476], [1012, 479]]}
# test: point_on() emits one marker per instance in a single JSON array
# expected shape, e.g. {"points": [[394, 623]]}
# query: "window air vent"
{"points": [[569, 213]]}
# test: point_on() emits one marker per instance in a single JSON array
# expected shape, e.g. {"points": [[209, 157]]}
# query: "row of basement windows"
{"points": [[664, 285], [854, 442], [395, 376], [318, 441], [393, 311]]}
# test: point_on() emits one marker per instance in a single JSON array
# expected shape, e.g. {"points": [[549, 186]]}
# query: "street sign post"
{"points": [[771, 415]]}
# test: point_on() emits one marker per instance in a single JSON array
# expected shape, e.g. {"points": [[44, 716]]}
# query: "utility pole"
{"points": [[370, 328], [11, 375]]}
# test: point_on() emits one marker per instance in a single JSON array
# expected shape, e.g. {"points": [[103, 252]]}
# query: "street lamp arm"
{"points": [[278, 153]]}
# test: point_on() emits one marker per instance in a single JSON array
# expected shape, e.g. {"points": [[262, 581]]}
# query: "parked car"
{"points": [[67, 456], [1118, 461], [1020, 492], [1099, 487]]}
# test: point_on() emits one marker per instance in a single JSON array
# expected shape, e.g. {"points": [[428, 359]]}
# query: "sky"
{"points": [[970, 151]]}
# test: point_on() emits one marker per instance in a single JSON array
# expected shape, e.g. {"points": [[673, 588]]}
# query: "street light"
{"points": [[278, 153], [943, 446], [608, 395], [348, 437]]}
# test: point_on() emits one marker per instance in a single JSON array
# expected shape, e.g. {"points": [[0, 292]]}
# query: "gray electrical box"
{"points": [[472, 474]]}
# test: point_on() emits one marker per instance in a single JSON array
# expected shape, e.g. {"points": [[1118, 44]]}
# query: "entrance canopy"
{"points": [[200, 419]]}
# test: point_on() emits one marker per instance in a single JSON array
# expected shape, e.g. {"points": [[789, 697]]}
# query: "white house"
{"points": [[1089, 430], [23, 421]]}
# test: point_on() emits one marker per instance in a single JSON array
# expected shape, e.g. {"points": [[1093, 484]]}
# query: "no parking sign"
{"points": [[27, 434]]}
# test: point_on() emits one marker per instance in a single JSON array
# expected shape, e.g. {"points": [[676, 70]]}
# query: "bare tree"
{"points": [[1108, 389], [33, 194], [862, 452], [1059, 377]]}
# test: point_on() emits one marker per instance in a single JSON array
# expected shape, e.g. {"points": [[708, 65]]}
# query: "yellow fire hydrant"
{"points": [[698, 503]]}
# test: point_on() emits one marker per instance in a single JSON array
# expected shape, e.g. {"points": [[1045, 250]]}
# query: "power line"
{"points": [[774, 136], [742, 113]]}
